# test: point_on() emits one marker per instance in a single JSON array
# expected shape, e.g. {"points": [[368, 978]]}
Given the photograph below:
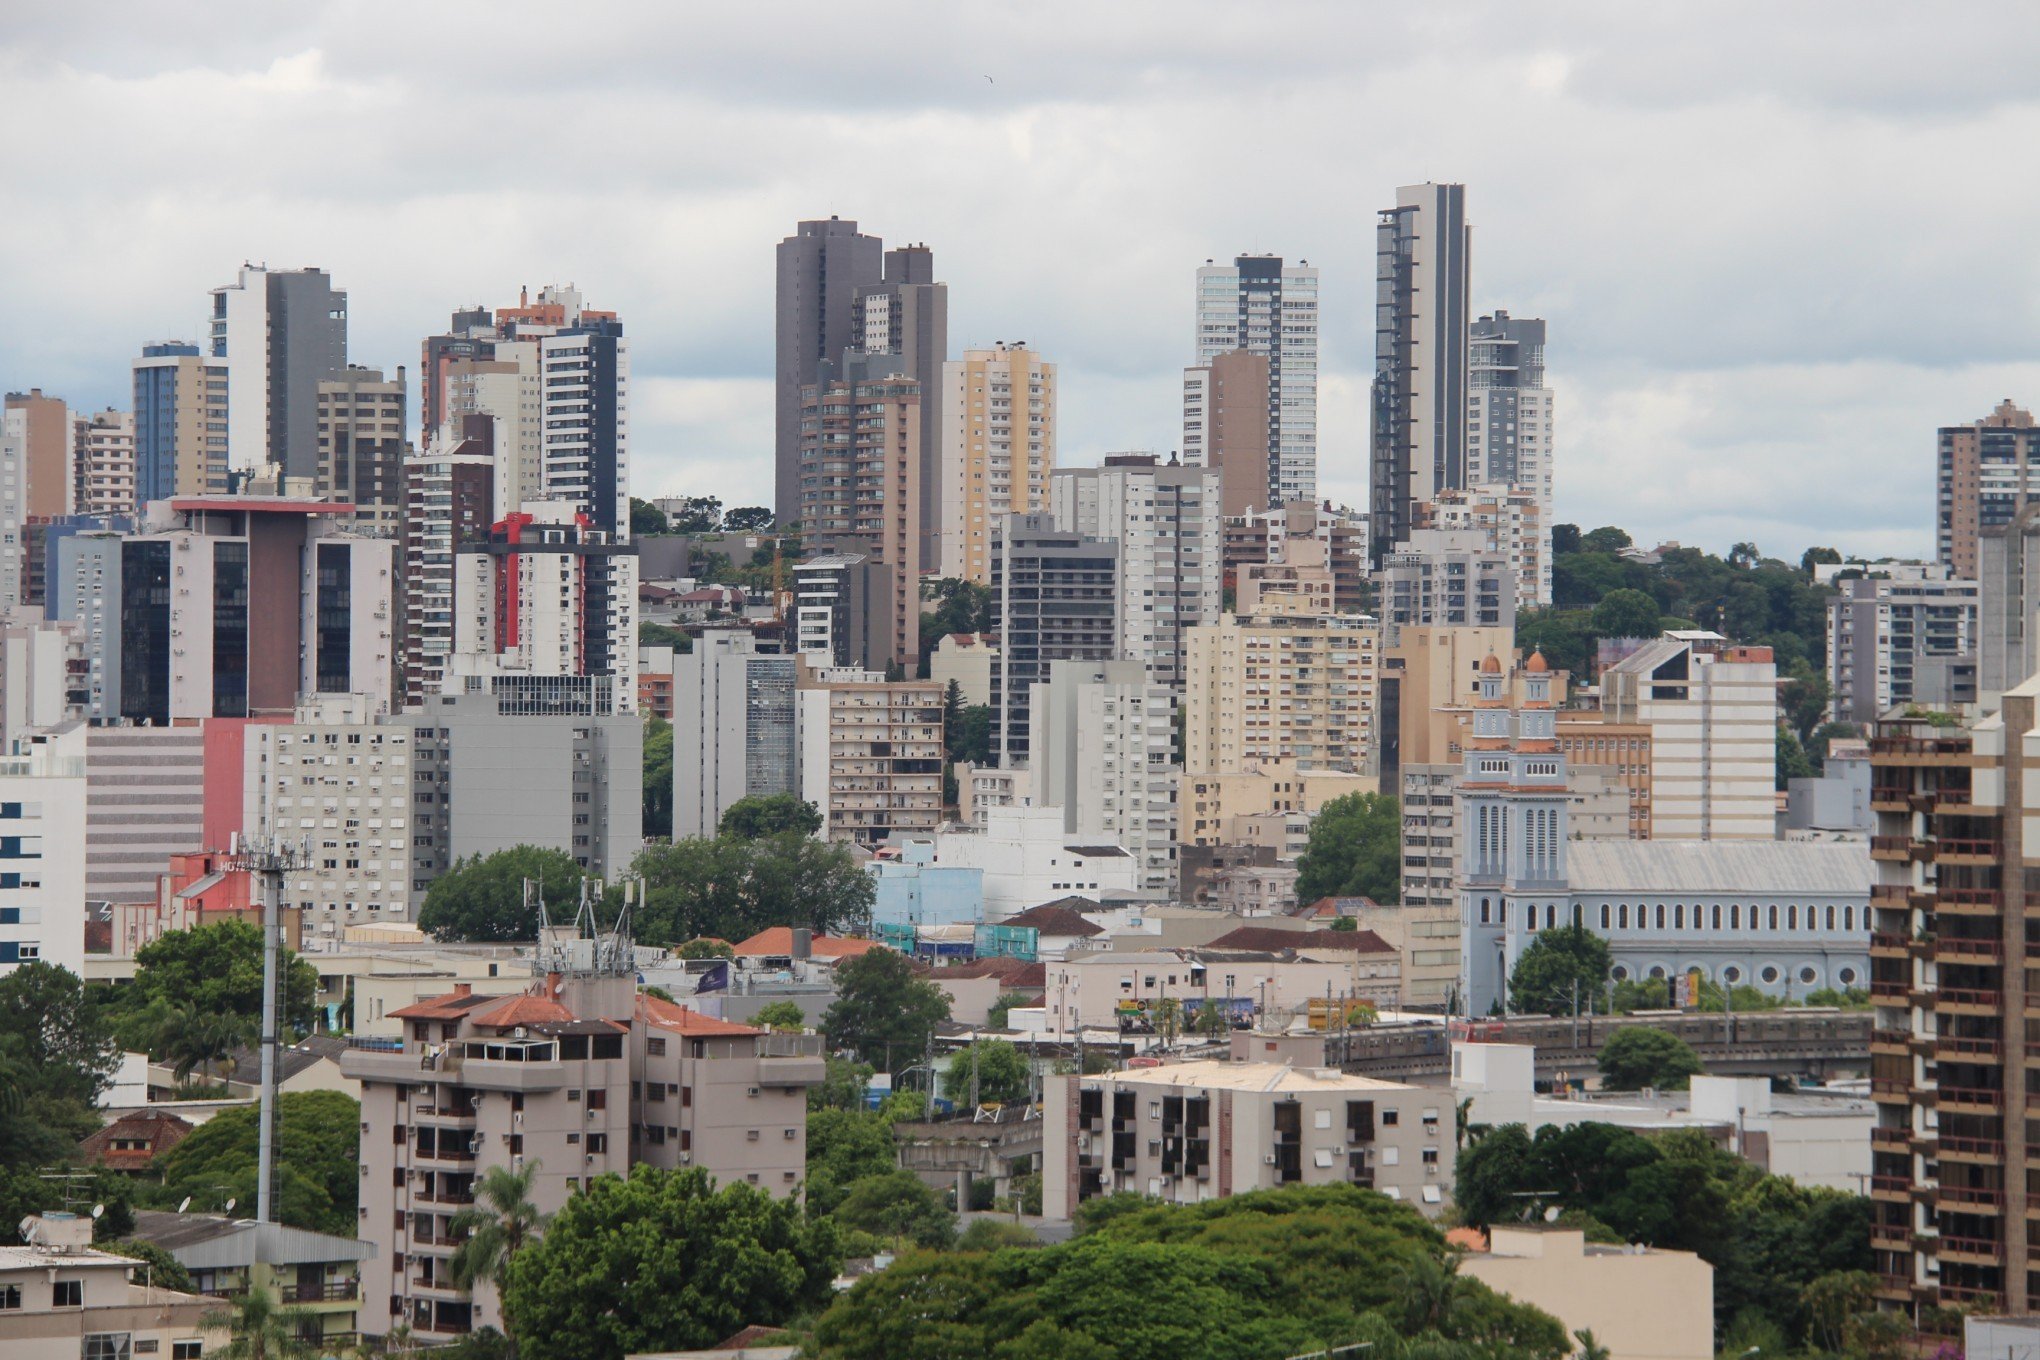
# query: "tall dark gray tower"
{"points": [[1421, 278], [822, 267]]}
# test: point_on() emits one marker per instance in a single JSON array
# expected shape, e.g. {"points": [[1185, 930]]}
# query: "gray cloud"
{"points": [[1777, 245]]}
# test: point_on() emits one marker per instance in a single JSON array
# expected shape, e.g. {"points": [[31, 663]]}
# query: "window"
{"points": [[194, 1349], [67, 1294], [1389, 1119], [10, 1296], [655, 1048], [107, 1346]]}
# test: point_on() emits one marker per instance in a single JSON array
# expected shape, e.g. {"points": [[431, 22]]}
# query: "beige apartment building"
{"points": [[1225, 426], [871, 755], [1640, 1302], [1193, 1131], [998, 447], [860, 485], [1281, 685], [361, 424], [1510, 521], [103, 463], [1224, 808], [62, 1300], [1712, 711], [580, 1076]]}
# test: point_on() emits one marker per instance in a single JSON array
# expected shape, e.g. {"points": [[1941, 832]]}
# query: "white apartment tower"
{"points": [[1170, 532], [1260, 305], [1104, 732]]}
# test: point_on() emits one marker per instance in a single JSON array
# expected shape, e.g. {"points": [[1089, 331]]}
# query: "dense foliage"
{"points": [[1252, 1277], [770, 814], [482, 898], [993, 1068], [843, 1147], [732, 887], [210, 971], [56, 1055], [664, 1260], [899, 1208], [318, 1156], [658, 777], [1564, 969], [1636, 1057], [1768, 1238], [1355, 850], [883, 1011]]}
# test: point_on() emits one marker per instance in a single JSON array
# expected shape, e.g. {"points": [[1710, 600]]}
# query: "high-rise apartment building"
{"points": [[1953, 1070], [449, 503], [1985, 472], [741, 702], [1282, 685], [902, 330], [860, 486], [998, 448], [103, 463], [1055, 598], [180, 422], [1273, 537], [1260, 305], [361, 444], [47, 485], [1509, 409], [1104, 739], [1511, 523], [2008, 595], [42, 894], [1166, 522], [1457, 578], [279, 332], [845, 612], [1420, 398], [229, 607], [871, 755], [586, 371], [1901, 641], [545, 592], [1712, 711], [1225, 426], [822, 269]]}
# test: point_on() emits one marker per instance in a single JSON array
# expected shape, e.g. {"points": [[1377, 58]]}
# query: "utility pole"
{"points": [[266, 862]]}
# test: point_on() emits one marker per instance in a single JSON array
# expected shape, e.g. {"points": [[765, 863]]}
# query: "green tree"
{"points": [[883, 1012], [1590, 1346], [646, 518], [318, 1153], [208, 970], [259, 1328], [1354, 850], [843, 1087], [1565, 539], [158, 1269], [844, 1146], [1561, 634], [1606, 539], [1637, 1056], [1001, 1010], [24, 1191], [482, 898], [663, 1260], [900, 1207], [500, 1223], [705, 949], [697, 515], [1792, 761], [194, 1041], [658, 777], [1490, 1179], [664, 635], [1813, 557], [1563, 967], [1625, 614], [780, 1015], [1803, 702], [1824, 736], [56, 1054], [770, 814], [731, 888], [747, 519], [995, 1234], [995, 1068]]}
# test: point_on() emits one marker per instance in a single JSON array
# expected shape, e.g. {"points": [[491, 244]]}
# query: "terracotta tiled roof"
{"points": [[680, 1019], [1273, 938], [1467, 1239], [1017, 974], [1337, 906], [451, 1006], [776, 940], [1051, 919], [523, 1010]]}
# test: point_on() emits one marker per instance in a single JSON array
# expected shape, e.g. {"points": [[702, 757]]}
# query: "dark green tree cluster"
{"points": [[481, 899], [1565, 969], [664, 1260], [318, 1156], [1767, 1237], [664, 635], [1355, 850], [1636, 1057], [770, 814], [57, 1053], [658, 777], [197, 995], [994, 1069], [884, 1012], [1255, 1276], [732, 886]]}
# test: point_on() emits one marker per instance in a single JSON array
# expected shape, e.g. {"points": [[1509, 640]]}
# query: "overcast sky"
{"points": [[1777, 245]]}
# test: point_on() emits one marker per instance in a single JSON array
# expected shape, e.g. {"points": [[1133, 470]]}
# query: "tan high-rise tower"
{"points": [[998, 448]]}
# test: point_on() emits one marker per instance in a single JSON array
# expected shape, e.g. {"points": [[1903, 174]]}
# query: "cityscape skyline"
{"points": [[1814, 380]]}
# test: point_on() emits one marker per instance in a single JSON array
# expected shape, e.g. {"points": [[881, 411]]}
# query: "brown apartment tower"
{"points": [[1983, 470]]}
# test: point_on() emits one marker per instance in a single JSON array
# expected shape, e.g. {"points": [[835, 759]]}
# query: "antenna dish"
{"points": [[228, 1207], [27, 1229], [185, 1205], [97, 1210], [1551, 1214]]}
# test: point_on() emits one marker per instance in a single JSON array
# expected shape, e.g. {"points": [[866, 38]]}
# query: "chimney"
{"points": [[803, 943], [463, 989]]}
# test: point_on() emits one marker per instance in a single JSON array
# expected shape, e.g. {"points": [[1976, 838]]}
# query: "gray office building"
{"points": [[822, 268], [735, 728], [1054, 598], [1422, 278], [280, 332], [1894, 642]]}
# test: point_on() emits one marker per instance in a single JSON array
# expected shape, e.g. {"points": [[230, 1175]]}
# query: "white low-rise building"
{"points": [[1027, 859]]}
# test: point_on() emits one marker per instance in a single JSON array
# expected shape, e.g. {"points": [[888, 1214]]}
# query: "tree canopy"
{"points": [[664, 1260], [899, 1207], [1355, 850], [1001, 1073], [481, 899], [883, 1011], [658, 776], [1637, 1056], [57, 1052], [747, 519], [844, 1146], [318, 1154], [1563, 967], [646, 518], [732, 887], [770, 814], [208, 970]]}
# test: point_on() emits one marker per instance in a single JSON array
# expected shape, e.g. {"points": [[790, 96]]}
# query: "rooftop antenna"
{"points": [[267, 861]]}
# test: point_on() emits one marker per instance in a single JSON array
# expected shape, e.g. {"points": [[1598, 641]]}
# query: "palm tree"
{"points": [[1428, 1285], [1590, 1349], [499, 1224], [260, 1329]]}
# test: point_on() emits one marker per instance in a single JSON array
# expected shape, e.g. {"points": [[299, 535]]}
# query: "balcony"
{"points": [[1976, 1097], [1898, 849], [1890, 1135], [1892, 1189], [1980, 1250], [1972, 1199], [1956, 1049], [1956, 949], [332, 1291], [1889, 1040], [1986, 1150], [1885, 944], [1967, 852], [1969, 901], [1968, 1000]]}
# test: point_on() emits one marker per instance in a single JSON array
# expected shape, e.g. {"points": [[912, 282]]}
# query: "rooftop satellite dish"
{"points": [[228, 1208], [97, 1210], [1551, 1214], [186, 1204], [27, 1229]]}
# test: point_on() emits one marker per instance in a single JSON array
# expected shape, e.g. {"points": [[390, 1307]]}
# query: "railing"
{"points": [[1978, 1147], [1895, 1137], [1984, 849], [1885, 939], [1967, 1194], [1897, 991], [1989, 1048], [1890, 1185], [1949, 946], [1918, 746], [1892, 845], [1974, 1246], [332, 1291], [1970, 897], [1972, 1095], [1900, 1037], [1968, 996]]}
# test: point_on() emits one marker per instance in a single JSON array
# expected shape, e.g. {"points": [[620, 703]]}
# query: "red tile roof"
{"points": [[1274, 938], [778, 940], [1018, 975], [452, 1006], [680, 1019], [524, 1010], [1051, 919]]}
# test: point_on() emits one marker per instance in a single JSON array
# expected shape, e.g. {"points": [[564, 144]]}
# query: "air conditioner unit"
{"points": [[593, 1113], [686, 1158], [754, 1090], [516, 1161], [590, 1159], [1268, 1159]]}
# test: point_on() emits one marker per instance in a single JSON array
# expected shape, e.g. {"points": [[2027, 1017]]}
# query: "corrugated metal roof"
{"points": [[1771, 868]]}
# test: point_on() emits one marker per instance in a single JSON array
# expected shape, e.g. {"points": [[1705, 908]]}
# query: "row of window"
{"points": [[1676, 917]]}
